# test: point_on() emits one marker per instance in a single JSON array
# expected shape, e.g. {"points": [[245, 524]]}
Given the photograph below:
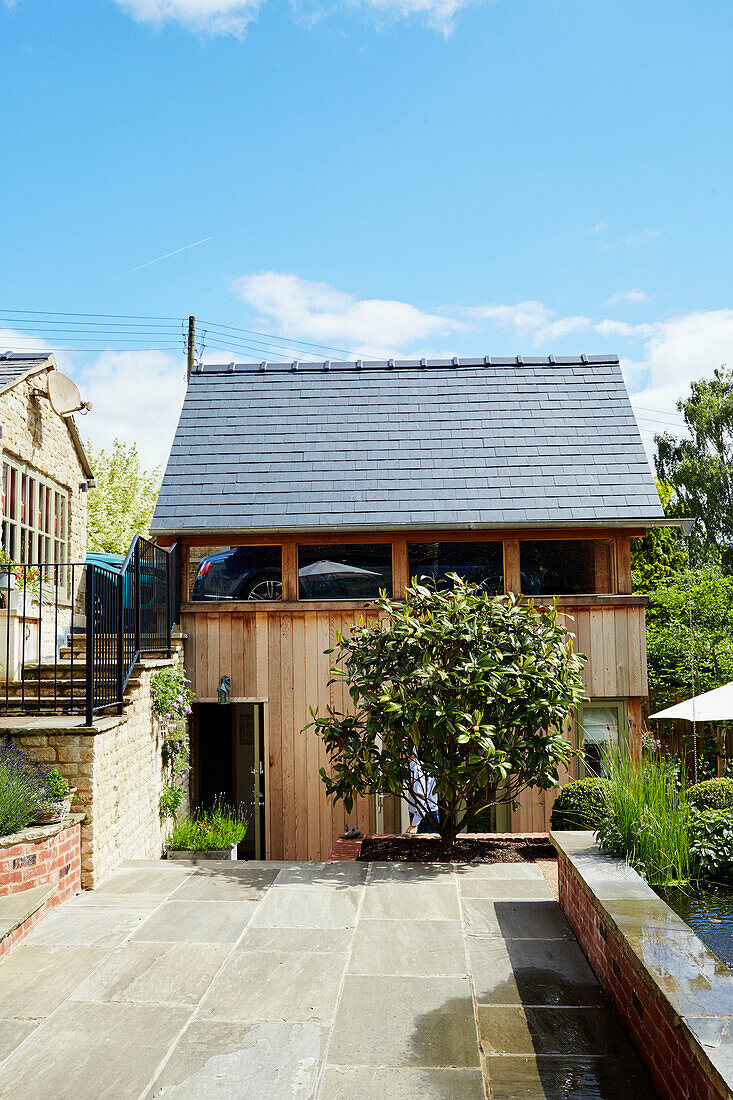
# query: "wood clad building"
{"points": [[299, 490]]}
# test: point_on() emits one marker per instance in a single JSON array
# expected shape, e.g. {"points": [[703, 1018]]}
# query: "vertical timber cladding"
{"points": [[277, 657], [613, 639]]}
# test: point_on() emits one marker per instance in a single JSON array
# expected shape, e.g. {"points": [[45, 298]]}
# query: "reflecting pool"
{"points": [[709, 913]]}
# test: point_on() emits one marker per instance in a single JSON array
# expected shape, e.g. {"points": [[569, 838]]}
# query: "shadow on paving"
{"points": [[546, 1027]]}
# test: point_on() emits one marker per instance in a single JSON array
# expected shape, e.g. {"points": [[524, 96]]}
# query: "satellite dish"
{"points": [[64, 394]]}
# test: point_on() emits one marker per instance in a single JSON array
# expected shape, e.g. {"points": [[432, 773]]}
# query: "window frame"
{"points": [[622, 711], [21, 529]]}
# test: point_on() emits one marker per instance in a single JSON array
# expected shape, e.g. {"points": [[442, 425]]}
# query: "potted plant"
{"points": [[207, 834], [56, 799]]}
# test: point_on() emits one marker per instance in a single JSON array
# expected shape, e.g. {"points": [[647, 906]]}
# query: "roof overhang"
{"points": [[383, 528]]}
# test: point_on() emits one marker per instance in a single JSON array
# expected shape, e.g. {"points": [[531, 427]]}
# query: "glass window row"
{"points": [[360, 571]]}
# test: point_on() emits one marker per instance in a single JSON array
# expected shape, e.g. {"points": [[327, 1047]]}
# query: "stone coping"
{"points": [[23, 724], [696, 986], [35, 833], [16, 908]]}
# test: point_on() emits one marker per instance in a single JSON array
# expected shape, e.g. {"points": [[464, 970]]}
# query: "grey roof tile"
{"points": [[484, 444]]}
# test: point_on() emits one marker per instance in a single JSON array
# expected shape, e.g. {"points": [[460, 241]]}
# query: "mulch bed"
{"points": [[421, 849]]}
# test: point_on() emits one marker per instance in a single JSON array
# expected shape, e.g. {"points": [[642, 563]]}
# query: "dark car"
{"points": [[244, 573]]}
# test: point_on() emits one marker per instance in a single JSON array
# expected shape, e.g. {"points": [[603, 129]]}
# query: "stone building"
{"points": [[45, 472]]}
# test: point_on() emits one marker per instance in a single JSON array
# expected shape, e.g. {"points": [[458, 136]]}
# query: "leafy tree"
{"points": [[700, 469], [122, 504], [477, 688], [668, 634], [659, 555]]}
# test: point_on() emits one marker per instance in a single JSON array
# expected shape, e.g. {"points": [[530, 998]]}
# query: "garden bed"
{"points": [[498, 848]]}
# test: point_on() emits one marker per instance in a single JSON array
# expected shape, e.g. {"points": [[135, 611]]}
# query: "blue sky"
{"points": [[411, 177]]}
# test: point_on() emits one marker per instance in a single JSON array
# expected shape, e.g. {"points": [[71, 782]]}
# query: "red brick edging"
{"points": [[675, 1062], [51, 858]]}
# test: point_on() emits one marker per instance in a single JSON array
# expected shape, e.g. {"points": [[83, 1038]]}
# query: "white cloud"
{"points": [[233, 16], [625, 330], [211, 16], [136, 396], [634, 240], [623, 296], [600, 227], [530, 319], [305, 310], [679, 351]]}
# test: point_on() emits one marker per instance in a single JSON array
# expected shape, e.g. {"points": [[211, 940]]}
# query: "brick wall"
{"points": [[50, 855], [678, 1063]]}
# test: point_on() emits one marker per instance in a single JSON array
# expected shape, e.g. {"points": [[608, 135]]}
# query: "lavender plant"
{"points": [[22, 788]]}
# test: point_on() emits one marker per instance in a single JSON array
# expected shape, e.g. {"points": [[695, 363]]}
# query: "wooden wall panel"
{"points": [[277, 657]]}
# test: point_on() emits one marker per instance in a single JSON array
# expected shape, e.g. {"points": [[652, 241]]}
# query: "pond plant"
{"points": [[671, 834], [477, 689]]}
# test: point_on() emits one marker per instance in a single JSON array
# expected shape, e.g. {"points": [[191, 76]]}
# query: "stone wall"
{"points": [[117, 769], [672, 994], [34, 433]]}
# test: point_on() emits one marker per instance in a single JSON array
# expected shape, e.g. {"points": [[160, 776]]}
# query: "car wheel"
{"points": [[267, 586]]}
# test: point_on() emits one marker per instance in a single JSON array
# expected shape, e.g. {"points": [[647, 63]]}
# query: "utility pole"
{"points": [[190, 348]]}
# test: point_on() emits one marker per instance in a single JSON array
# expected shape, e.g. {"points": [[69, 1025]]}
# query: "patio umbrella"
{"points": [[712, 706], [334, 568]]}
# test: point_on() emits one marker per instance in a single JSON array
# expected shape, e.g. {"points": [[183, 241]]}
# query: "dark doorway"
{"points": [[229, 755]]}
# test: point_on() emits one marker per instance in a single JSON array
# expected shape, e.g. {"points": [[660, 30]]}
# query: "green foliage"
{"points": [[121, 506], [56, 789], [713, 794], [581, 805], [208, 830], [648, 821], [22, 788], [668, 635], [711, 850], [171, 697], [479, 689], [659, 556], [170, 800], [699, 468]]}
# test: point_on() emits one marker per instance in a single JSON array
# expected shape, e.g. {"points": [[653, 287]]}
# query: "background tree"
{"points": [[479, 689], [122, 504], [668, 634], [659, 556], [699, 469]]}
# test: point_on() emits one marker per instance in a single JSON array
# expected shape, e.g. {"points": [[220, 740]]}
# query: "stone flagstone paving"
{"points": [[337, 981]]}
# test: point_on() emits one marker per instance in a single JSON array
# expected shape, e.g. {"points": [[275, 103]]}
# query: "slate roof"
{"points": [[436, 443], [14, 365]]}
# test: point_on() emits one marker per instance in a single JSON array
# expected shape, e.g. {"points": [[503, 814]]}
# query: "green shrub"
{"points": [[219, 827], [581, 805], [711, 850], [713, 794], [56, 789], [170, 800]]}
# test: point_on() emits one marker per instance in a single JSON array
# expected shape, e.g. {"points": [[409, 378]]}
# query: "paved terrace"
{"points": [[342, 980]]}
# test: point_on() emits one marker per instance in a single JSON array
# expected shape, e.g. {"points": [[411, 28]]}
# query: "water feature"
{"points": [[709, 912]]}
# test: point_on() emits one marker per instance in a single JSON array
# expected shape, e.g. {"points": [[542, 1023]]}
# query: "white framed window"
{"points": [[602, 725], [35, 515]]}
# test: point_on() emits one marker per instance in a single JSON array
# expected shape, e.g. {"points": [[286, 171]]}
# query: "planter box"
{"points": [[213, 853]]}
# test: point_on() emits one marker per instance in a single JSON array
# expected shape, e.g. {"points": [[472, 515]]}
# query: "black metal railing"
{"points": [[74, 632]]}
